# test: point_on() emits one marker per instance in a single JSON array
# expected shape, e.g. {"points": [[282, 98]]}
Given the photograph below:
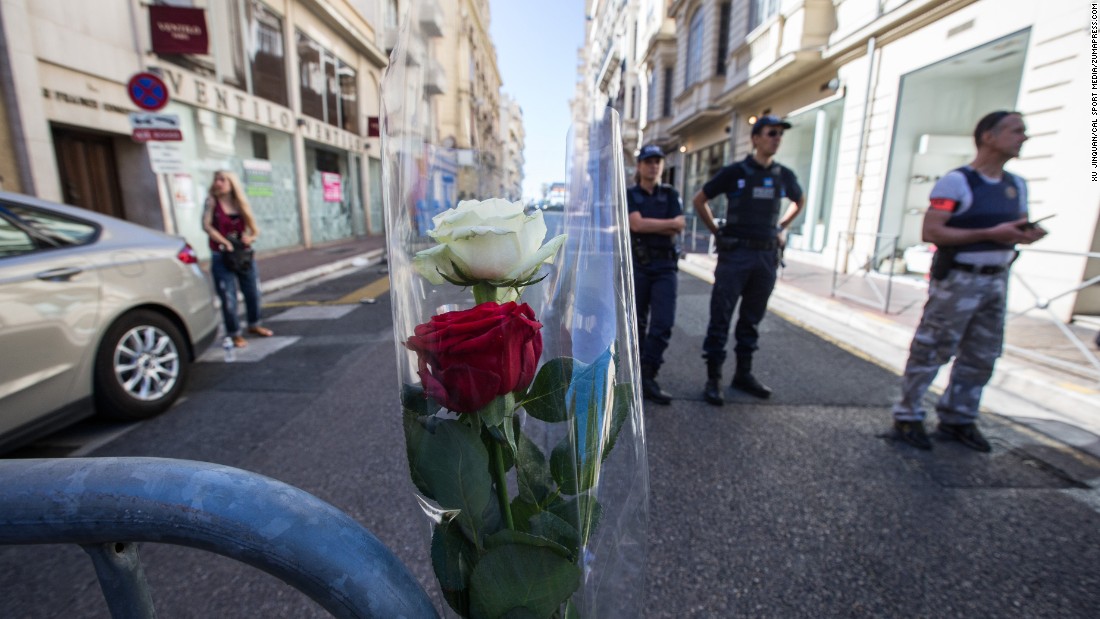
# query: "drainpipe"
{"points": [[861, 151], [15, 119]]}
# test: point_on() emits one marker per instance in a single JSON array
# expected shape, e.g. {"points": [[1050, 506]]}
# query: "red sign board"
{"points": [[178, 30], [147, 91], [157, 135], [330, 184], [372, 126]]}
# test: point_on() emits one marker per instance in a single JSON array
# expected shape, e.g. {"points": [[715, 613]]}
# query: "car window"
{"points": [[14, 241], [46, 229]]}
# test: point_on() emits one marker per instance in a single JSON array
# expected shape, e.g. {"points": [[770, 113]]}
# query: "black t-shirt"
{"points": [[663, 203]]}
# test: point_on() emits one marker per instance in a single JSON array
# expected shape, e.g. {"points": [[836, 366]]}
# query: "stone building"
{"points": [[883, 96]]}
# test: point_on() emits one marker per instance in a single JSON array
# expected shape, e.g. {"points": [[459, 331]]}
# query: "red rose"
{"points": [[467, 358]]}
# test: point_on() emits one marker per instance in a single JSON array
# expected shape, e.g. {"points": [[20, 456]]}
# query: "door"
{"points": [[89, 177], [49, 301]]}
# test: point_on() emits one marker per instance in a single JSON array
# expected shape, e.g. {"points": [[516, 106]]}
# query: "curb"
{"points": [[365, 259]]}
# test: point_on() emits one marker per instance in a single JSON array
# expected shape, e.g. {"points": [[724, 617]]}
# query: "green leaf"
{"points": [[522, 512], [495, 411], [414, 399], [532, 473], [553, 527], [454, 465], [624, 401], [453, 560], [545, 400], [582, 513], [412, 420], [508, 537], [514, 577]]}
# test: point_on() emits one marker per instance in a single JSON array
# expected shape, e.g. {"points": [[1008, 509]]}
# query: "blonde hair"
{"points": [[238, 197]]}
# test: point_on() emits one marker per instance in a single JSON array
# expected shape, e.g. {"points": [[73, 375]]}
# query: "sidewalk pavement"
{"points": [[288, 268], [1060, 399]]}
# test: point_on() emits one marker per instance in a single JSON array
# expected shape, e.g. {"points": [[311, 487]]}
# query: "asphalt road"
{"points": [[800, 506]]}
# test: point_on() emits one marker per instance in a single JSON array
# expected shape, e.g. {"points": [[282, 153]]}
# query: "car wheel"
{"points": [[141, 366]]}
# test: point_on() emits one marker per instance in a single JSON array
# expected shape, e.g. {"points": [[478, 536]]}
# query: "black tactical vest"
{"points": [[753, 210]]}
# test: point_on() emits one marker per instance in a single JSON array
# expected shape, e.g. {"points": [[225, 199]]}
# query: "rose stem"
{"points": [[500, 479], [484, 292]]}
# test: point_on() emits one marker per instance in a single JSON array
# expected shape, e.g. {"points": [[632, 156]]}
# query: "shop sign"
{"points": [[149, 127], [372, 127], [178, 30], [257, 178], [186, 87], [330, 185], [166, 157]]}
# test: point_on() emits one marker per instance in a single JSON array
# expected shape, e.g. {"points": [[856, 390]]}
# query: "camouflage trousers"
{"points": [[964, 318]]}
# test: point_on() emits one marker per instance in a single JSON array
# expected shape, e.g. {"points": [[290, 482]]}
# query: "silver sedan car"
{"points": [[96, 314]]}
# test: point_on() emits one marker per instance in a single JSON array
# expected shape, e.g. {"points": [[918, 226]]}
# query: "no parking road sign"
{"points": [[147, 91]]}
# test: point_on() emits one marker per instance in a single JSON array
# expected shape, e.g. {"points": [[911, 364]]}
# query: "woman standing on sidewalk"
{"points": [[228, 221]]}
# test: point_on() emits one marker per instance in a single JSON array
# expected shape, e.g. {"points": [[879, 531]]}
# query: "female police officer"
{"points": [[656, 217]]}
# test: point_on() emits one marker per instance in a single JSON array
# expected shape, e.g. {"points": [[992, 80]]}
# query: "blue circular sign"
{"points": [[147, 91]]}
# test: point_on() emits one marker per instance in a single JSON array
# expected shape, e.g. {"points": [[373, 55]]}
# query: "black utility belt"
{"points": [[725, 243], [979, 269], [660, 254]]}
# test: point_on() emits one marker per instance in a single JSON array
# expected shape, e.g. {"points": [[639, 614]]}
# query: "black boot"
{"points": [[745, 381], [712, 392], [650, 389]]}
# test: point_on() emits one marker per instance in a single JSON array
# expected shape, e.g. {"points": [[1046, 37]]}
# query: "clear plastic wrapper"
{"points": [[518, 368]]}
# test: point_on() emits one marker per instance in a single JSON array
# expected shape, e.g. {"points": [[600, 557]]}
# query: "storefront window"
{"points": [[810, 148], [927, 144], [701, 166], [328, 86], [262, 158], [334, 193]]}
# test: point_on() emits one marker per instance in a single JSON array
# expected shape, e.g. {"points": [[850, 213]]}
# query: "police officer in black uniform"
{"points": [[748, 252], [656, 217]]}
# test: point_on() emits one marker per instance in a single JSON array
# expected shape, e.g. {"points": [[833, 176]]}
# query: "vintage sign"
{"points": [[178, 30]]}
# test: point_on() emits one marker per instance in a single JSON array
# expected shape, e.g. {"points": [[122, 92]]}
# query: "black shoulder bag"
{"points": [[239, 259]]}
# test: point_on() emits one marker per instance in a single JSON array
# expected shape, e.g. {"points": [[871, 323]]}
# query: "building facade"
{"points": [[883, 96], [512, 137], [285, 93]]}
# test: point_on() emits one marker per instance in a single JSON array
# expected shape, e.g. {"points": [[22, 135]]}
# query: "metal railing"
{"points": [[1040, 302], [865, 275], [106, 505]]}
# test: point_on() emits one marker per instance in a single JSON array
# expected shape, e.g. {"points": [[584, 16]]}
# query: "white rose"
{"points": [[490, 240]]}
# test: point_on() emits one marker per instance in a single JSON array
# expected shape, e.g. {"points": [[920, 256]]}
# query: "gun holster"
{"points": [[942, 261], [640, 252]]}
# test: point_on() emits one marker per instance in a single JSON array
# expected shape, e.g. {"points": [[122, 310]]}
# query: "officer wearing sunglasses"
{"points": [[748, 252]]}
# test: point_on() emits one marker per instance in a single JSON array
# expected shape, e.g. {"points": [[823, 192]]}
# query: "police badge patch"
{"points": [[1011, 192]]}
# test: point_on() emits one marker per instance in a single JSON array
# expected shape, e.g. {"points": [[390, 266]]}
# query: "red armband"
{"points": [[943, 204]]}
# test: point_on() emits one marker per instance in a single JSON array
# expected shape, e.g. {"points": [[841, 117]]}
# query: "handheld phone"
{"points": [[1031, 224]]}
